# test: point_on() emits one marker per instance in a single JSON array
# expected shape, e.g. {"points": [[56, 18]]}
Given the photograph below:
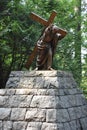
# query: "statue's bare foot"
{"points": [[36, 68], [50, 68]]}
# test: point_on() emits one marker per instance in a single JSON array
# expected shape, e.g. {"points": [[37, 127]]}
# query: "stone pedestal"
{"points": [[42, 100]]}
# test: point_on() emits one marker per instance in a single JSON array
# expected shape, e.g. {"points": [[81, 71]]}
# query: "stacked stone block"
{"points": [[42, 100]]}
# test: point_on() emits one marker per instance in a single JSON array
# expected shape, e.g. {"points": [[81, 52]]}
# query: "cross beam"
{"points": [[43, 21]]}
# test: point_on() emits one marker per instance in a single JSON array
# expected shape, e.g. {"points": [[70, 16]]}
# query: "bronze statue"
{"points": [[46, 45]]}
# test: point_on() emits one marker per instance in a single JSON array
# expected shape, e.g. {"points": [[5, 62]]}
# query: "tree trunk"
{"points": [[78, 67]]}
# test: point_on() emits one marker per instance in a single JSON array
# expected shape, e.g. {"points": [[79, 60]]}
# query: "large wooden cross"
{"points": [[45, 23]]}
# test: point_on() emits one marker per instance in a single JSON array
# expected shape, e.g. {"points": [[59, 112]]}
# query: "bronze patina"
{"points": [[46, 45]]}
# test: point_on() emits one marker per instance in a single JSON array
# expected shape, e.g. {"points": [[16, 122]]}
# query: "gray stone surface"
{"points": [[49, 126], [67, 126], [34, 126], [75, 125], [7, 125], [36, 115], [40, 79], [42, 100], [5, 113], [19, 125], [20, 100], [1, 125], [60, 116], [84, 123], [18, 114]]}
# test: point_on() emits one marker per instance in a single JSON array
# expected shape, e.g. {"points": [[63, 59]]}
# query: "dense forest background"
{"points": [[19, 33]]}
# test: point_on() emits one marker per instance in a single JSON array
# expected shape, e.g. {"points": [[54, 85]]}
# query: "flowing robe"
{"points": [[46, 47]]}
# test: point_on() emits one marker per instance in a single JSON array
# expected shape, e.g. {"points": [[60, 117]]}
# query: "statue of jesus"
{"points": [[46, 46]]}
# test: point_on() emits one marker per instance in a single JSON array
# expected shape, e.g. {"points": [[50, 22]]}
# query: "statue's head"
{"points": [[52, 29], [50, 32]]}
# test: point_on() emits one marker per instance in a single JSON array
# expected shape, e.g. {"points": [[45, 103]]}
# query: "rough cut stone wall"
{"points": [[42, 100]]}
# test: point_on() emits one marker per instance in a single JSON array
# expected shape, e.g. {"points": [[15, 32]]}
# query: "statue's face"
{"points": [[55, 29]]}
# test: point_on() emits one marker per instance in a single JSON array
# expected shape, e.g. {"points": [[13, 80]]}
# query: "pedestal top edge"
{"points": [[46, 73]]}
